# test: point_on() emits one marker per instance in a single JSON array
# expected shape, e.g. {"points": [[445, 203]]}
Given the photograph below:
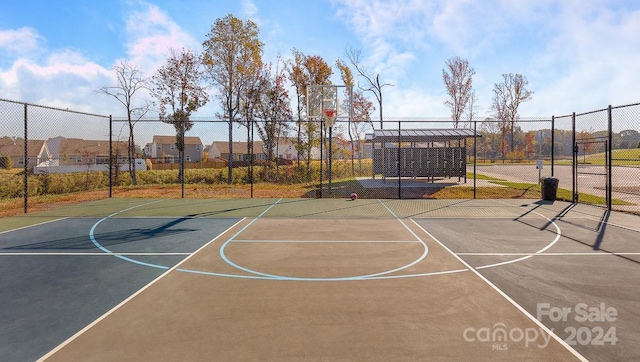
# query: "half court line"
{"points": [[92, 254], [545, 254], [326, 241], [254, 274]]}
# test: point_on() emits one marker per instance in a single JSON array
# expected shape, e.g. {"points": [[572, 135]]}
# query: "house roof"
{"points": [[421, 135], [242, 147], [170, 140], [11, 147], [77, 146], [238, 147]]}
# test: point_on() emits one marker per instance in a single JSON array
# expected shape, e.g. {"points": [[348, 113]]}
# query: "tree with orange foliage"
{"points": [[179, 90], [361, 116], [233, 59], [303, 71]]}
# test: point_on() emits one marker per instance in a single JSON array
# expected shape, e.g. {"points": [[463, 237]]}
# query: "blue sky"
{"points": [[578, 55]]}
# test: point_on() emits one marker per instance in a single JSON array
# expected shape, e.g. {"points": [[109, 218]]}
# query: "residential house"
{"points": [[62, 155], [163, 149], [61, 151], [284, 150], [14, 149]]}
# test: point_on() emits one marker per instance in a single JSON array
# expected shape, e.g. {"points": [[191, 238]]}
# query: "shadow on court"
{"points": [[596, 223], [109, 238]]}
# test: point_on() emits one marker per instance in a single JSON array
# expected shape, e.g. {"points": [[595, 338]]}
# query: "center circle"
{"points": [[223, 255]]}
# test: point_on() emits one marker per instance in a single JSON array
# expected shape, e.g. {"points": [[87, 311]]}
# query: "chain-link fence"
{"points": [[47, 151], [625, 156], [607, 157]]}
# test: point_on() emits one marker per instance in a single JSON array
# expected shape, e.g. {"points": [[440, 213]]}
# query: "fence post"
{"points": [[399, 159], [182, 131], [321, 154], [250, 138], [110, 156], [475, 155], [553, 142], [26, 161], [574, 160], [609, 158]]}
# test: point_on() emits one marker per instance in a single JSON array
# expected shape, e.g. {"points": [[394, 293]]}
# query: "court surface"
{"points": [[327, 279]]}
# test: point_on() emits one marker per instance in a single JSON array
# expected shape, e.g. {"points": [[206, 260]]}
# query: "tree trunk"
{"points": [[353, 165], [512, 133], [230, 163], [132, 155]]}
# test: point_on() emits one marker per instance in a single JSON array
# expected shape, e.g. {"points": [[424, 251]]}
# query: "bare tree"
{"points": [[507, 97], [373, 81], [489, 128], [129, 82], [233, 59], [472, 109], [458, 79], [179, 90]]}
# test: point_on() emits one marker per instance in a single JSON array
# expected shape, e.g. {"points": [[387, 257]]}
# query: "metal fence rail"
{"points": [[48, 151]]}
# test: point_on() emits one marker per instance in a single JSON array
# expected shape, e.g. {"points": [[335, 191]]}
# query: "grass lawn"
{"points": [[340, 189], [624, 157]]}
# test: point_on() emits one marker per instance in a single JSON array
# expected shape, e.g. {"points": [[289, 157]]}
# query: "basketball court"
{"points": [[320, 279]]}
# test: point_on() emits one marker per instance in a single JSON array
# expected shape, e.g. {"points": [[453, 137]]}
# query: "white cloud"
{"points": [[19, 41], [151, 33], [413, 101], [591, 62], [59, 78], [376, 21], [576, 54], [249, 9], [65, 79]]}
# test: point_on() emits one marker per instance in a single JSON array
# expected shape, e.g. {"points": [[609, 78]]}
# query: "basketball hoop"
{"points": [[329, 117]]}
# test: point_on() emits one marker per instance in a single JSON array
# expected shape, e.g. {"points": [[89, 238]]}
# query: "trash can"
{"points": [[549, 188]]}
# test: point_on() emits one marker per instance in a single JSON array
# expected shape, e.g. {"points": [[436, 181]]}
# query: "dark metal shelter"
{"points": [[416, 153]]}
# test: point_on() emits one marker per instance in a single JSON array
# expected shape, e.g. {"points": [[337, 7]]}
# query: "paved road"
{"points": [[591, 179]]}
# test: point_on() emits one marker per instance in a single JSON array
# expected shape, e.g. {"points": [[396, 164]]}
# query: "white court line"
{"points": [[326, 241], [112, 310], [258, 274], [505, 296], [594, 253], [90, 254], [28, 226]]}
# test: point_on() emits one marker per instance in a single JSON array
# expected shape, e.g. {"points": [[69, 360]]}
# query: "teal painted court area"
{"points": [[320, 279]]}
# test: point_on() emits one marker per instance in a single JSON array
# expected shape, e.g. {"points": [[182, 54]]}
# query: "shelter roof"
{"points": [[420, 135]]}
